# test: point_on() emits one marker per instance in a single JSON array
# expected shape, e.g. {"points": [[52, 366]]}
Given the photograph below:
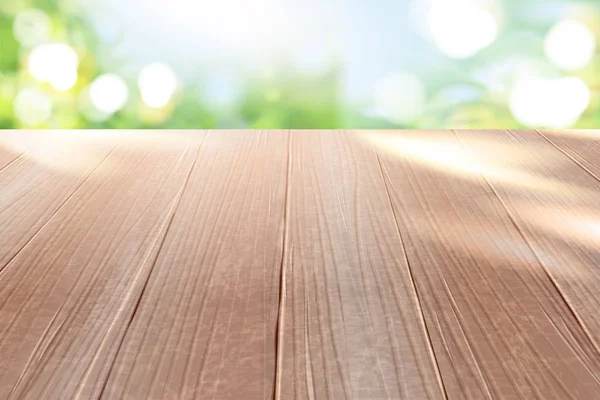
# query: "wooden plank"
{"points": [[582, 147], [205, 327], [13, 144], [499, 327], [350, 324], [40, 172], [553, 193], [67, 298]]}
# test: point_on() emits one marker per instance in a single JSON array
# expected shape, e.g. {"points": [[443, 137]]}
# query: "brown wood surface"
{"points": [[555, 201], [499, 327], [299, 265], [351, 323], [13, 144], [205, 327], [67, 298], [37, 175]]}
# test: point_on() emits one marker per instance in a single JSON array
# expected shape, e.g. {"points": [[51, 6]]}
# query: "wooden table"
{"points": [[299, 265]]}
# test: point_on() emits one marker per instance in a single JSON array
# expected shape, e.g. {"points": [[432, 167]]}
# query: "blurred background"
{"points": [[299, 64]]}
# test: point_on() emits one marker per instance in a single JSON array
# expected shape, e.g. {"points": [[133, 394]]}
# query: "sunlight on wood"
{"points": [[498, 165]]}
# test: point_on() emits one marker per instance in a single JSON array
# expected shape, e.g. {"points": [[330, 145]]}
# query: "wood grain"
{"points": [[299, 265], [499, 327], [67, 298], [554, 197], [40, 172], [350, 324], [13, 144], [205, 327]]}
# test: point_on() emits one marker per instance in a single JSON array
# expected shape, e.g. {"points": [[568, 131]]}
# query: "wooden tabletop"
{"points": [[299, 265]]}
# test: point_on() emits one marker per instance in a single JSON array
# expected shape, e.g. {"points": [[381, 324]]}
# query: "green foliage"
{"points": [[9, 48], [283, 98]]}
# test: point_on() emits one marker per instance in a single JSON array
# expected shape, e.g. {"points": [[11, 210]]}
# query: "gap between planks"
{"points": [[176, 204], [533, 249], [412, 279], [282, 275], [60, 206]]}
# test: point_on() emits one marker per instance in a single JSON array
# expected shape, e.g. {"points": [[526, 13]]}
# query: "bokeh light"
{"points": [[570, 45], [32, 107], [108, 93], [300, 64], [32, 27], [550, 103], [461, 28], [55, 63], [157, 83]]}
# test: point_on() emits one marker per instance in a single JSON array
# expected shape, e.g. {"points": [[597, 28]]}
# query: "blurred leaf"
{"points": [[9, 48]]}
